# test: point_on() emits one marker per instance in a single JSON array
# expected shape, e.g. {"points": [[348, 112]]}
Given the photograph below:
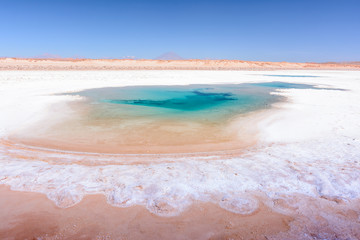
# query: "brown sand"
{"points": [[27, 215], [127, 64]]}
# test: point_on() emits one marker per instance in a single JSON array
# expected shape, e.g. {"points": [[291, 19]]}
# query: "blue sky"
{"points": [[263, 30]]}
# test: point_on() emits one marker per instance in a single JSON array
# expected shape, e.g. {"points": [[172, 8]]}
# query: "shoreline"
{"points": [[199, 221], [282, 218]]}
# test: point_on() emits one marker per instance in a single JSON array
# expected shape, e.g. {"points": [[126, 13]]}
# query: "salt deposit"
{"points": [[308, 146]]}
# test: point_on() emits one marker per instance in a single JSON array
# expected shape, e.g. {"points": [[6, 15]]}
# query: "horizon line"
{"points": [[166, 60]]}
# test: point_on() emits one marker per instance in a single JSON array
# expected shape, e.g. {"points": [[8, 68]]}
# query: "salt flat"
{"points": [[305, 163]]}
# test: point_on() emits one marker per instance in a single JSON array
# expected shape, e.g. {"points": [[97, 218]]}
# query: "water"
{"points": [[283, 85], [287, 76], [212, 103], [163, 119]]}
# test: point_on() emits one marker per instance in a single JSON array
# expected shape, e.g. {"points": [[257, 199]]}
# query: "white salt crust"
{"points": [[314, 168], [308, 146]]}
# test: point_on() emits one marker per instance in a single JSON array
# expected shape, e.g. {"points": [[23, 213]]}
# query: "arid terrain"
{"points": [[143, 64], [298, 179]]}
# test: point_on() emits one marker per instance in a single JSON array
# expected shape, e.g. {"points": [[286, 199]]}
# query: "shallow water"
{"points": [[286, 76], [160, 119], [196, 102]]}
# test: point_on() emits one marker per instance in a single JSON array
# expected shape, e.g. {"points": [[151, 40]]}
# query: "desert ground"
{"points": [[144, 64], [297, 178]]}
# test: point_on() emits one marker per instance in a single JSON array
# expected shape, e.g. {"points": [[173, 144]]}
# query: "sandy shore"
{"points": [[299, 181], [26, 215], [126, 64], [200, 221]]}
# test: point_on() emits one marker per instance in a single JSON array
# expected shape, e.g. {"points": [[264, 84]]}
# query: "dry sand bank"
{"points": [[125, 64], [26, 215], [32, 216]]}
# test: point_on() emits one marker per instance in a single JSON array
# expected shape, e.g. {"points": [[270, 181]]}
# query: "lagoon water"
{"points": [[211, 103], [162, 119]]}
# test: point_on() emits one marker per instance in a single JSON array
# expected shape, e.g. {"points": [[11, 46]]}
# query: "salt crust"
{"points": [[309, 146]]}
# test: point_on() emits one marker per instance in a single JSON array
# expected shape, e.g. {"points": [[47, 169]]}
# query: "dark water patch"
{"points": [[195, 100]]}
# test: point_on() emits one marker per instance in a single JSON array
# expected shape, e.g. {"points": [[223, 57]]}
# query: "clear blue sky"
{"points": [[265, 30]]}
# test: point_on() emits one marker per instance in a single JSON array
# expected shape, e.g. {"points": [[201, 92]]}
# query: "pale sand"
{"points": [[194, 64], [26, 215], [33, 216]]}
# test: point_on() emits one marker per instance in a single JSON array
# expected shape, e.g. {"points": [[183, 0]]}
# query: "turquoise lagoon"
{"points": [[215, 103], [138, 119]]}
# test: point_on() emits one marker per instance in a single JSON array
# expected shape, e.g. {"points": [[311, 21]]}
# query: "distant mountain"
{"points": [[169, 56], [48, 56]]}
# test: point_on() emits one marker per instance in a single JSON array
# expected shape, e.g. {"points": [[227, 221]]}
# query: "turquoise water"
{"points": [[165, 119], [210, 103], [300, 76], [283, 85]]}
